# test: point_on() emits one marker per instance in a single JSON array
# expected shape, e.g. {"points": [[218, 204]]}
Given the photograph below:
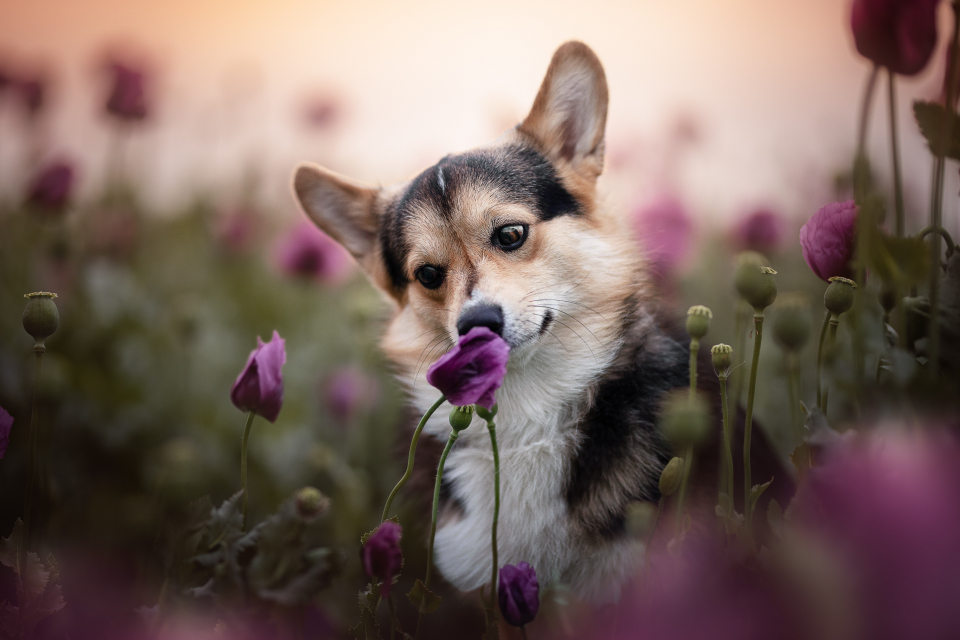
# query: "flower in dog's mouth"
{"points": [[473, 370]]}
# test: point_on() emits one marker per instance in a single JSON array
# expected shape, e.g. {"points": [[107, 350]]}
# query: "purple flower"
{"points": [[259, 387], [345, 390], [6, 423], [760, 231], [236, 228], [897, 34], [381, 555], [665, 232], [829, 238], [306, 251], [127, 100], [322, 112], [473, 370], [50, 188], [519, 594]]}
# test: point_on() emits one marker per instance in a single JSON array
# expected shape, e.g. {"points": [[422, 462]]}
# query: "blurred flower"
{"points": [[346, 390], [50, 188], [761, 231], [664, 230], [322, 112], [828, 240], [31, 92], [259, 387], [236, 228], [6, 423], [126, 100], [382, 558], [473, 370], [307, 251], [519, 594], [310, 502], [897, 34]]}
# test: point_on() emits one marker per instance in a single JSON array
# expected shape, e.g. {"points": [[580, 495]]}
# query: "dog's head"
{"points": [[508, 236]]}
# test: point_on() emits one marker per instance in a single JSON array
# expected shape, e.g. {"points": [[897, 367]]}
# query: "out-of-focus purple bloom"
{"points": [[31, 92], [50, 188], [307, 251], [236, 228], [897, 34], [344, 392], [6, 423], [828, 240], [322, 112], [665, 231], [127, 99], [761, 231], [382, 558], [473, 370], [519, 594], [259, 387]]}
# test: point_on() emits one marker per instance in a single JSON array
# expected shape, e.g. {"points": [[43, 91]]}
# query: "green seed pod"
{"points": [[461, 417], [755, 282], [486, 414], [698, 321], [791, 324], [671, 477], [310, 502], [722, 359], [685, 421], [639, 519], [41, 318], [748, 263], [840, 295]]}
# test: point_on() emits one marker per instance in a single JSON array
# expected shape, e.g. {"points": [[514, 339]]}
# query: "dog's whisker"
{"points": [[424, 355], [425, 333], [581, 339], [601, 342], [590, 309], [429, 355]]}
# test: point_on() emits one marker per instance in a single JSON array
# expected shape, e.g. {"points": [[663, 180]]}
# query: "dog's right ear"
{"points": [[343, 208]]}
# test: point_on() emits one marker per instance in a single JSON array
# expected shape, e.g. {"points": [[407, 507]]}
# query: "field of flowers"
{"points": [[199, 437]]}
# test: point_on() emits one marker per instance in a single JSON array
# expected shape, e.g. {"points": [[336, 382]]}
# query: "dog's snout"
{"points": [[486, 315]]}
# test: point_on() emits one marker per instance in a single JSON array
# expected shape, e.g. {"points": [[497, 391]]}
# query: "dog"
{"points": [[513, 236]]}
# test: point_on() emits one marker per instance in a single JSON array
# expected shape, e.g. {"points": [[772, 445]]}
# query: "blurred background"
{"points": [[146, 150]]}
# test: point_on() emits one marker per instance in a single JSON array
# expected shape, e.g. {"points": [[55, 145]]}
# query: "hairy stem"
{"points": [[243, 465], [727, 436], [492, 428], [748, 424], [411, 456]]}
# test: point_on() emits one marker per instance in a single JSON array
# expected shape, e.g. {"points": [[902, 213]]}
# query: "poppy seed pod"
{"points": [[839, 295], [41, 317], [685, 421], [757, 285], [671, 476], [698, 321], [791, 325], [722, 355], [310, 502], [486, 414], [461, 417]]}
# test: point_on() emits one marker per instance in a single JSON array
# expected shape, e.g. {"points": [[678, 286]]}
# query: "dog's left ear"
{"points": [[570, 112]]}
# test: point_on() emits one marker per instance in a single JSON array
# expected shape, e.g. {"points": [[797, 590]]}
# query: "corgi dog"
{"points": [[513, 236]]}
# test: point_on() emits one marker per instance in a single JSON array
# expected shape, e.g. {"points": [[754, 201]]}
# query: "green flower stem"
{"points": [[694, 350], [895, 151], [492, 428], [243, 465], [687, 463], [523, 631], [823, 335], [793, 388], [748, 424], [743, 311], [411, 456], [727, 435], [39, 349], [834, 323], [393, 617]]}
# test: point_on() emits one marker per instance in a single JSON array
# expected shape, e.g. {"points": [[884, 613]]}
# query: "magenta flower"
{"points": [[50, 188], [519, 594], [381, 555], [665, 232], [6, 423], [760, 231], [236, 228], [473, 370], [259, 387], [344, 392], [127, 100], [897, 34], [828, 240], [308, 252]]}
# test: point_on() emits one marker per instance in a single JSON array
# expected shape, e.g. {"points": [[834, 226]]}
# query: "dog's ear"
{"points": [[343, 208], [570, 112]]}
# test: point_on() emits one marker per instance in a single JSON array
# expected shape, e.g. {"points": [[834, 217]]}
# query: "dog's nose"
{"points": [[484, 315]]}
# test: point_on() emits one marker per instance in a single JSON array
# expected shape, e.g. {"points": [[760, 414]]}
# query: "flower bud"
{"points": [[381, 555], [839, 296], [685, 421], [310, 502], [754, 282], [722, 359], [518, 593], [791, 325], [698, 321], [671, 476], [41, 318], [484, 413], [461, 417]]}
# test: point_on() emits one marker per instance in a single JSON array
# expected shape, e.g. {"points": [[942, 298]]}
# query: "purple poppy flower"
{"points": [[828, 240], [382, 558], [665, 232], [51, 186], [519, 594], [760, 231], [345, 390], [6, 423], [473, 370], [127, 100], [259, 387], [898, 34], [306, 251]]}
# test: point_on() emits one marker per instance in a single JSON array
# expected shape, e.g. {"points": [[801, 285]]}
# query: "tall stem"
{"points": [[823, 335], [687, 463], [743, 312], [694, 350], [793, 385], [834, 323], [38, 349], [727, 436], [895, 151], [411, 456], [492, 428], [748, 424], [243, 465]]}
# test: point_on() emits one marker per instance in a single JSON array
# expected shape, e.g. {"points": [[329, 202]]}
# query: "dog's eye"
{"points": [[429, 276], [510, 237]]}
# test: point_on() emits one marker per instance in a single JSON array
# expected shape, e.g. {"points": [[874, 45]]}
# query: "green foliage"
{"points": [[38, 587], [932, 119], [422, 598]]}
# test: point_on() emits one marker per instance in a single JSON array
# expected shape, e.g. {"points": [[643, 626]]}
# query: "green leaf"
{"points": [[932, 119], [903, 262], [732, 521], [423, 599], [775, 518], [755, 492], [368, 629]]}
